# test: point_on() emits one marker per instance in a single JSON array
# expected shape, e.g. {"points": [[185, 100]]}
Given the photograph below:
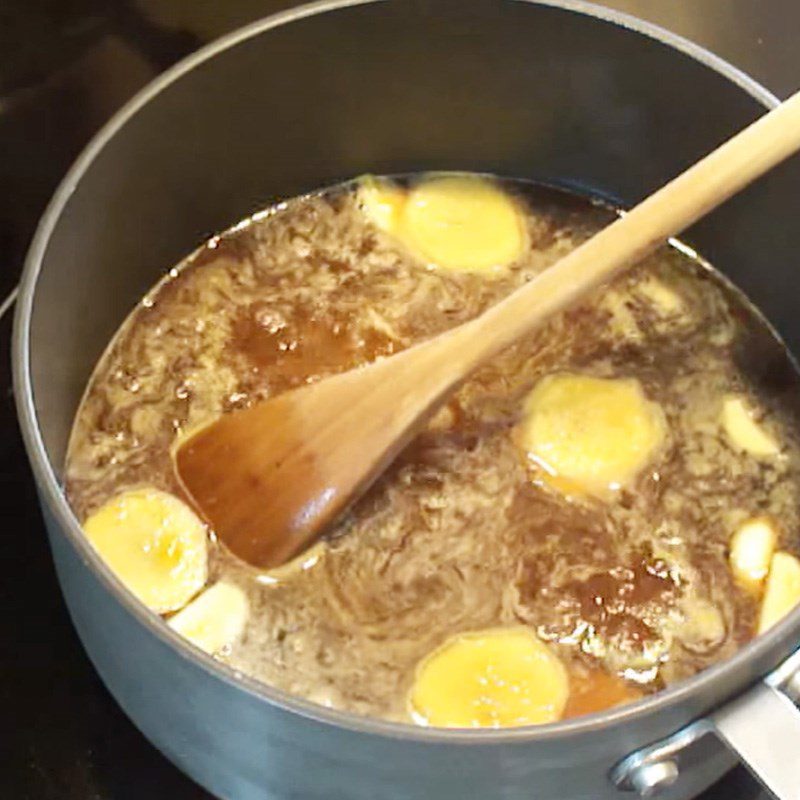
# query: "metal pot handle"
{"points": [[742, 725]]}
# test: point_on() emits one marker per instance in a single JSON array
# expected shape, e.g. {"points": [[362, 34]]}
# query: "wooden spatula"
{"points": [[271, 478]]}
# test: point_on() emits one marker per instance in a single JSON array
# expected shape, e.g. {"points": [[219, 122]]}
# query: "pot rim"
{"points": [[50, 491]]}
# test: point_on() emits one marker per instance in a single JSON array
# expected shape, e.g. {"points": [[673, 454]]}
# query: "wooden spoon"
{"points": [[272, 477]]}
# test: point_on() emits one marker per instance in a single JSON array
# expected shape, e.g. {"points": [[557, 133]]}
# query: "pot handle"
{"points": [[762, 727]]}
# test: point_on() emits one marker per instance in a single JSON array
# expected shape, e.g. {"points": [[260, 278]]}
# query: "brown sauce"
{"points": [[632, 594]]}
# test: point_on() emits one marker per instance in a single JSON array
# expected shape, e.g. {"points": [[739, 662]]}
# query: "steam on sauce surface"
{"points": [[597, 511]]}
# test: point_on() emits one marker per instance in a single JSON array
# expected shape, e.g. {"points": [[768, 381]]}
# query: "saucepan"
{"points": [[559, 91]]}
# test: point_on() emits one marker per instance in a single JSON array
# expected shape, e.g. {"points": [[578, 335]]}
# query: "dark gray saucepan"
{"points": [[560, 91]]}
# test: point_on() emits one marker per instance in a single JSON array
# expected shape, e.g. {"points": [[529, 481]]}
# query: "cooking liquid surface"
{"points": [[462, 533]]}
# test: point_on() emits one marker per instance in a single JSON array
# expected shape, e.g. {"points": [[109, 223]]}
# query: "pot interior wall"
{"points": [[506, 87]]}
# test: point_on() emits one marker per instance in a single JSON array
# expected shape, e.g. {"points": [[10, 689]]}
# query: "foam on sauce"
{"points": [[459, 535]]}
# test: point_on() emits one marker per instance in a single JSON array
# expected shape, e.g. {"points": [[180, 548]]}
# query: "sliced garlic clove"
{"points": [[743, 430], [752, 547], [215, 619], [782, 592], [381, 201], [665, 299]]}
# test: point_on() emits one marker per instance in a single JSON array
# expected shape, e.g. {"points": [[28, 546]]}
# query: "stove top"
{"points": [[65, 67]]}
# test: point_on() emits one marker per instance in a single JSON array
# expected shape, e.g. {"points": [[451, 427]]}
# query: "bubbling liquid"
{"points": [[463, 533]]}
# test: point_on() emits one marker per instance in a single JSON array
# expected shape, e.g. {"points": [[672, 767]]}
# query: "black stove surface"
{"points": [[65, 67]]}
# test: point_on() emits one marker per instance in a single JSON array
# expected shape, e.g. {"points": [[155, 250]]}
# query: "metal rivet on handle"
{"points": [[654, 768], [650, 779]]}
